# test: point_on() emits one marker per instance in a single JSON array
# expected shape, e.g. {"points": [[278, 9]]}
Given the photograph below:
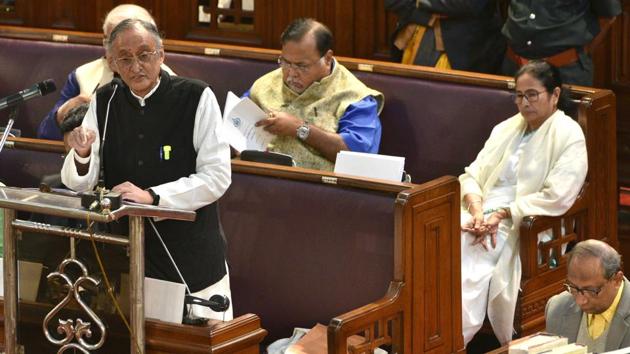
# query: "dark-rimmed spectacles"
{"points": [[142, 58], [299, 67], [530, 95], [586, 292]]}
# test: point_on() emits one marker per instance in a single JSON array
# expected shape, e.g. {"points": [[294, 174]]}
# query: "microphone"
{"points": [[40, 89], [117, 81], [217, 303]]}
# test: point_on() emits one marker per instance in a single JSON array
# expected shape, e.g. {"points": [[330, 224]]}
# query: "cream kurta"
{"points": [[322, 104], [551, 170]]}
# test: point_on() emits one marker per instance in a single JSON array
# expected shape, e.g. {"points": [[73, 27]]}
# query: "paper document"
{"points": [[164, 300], [370, 165], [239, 118], [535, 344]]}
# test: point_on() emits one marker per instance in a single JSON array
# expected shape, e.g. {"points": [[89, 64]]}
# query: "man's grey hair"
{"points": [[125, 11], [608, 257], [132, 23]]}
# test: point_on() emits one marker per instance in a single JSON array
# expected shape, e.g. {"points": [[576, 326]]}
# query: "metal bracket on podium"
{"points": [[34, 201], [81, 329]]}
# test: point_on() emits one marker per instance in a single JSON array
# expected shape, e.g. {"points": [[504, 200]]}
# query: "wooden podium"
{"points": [[242, 334]]}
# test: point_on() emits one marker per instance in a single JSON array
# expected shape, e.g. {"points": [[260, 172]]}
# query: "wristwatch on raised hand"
{"points": [[155, 196], [303, 131]]}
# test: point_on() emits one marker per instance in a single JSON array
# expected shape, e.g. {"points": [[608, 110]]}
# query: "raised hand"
{"points": [[81, 139]]}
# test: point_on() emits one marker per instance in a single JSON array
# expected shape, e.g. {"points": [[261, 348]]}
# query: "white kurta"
{"points": [[539, 175]]}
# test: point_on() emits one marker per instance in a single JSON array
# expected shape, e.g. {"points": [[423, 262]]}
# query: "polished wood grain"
{"points": [[620, 84], [241, 335], [35, 145]]}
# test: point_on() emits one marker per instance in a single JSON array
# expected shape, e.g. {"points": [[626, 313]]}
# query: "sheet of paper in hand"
{"points": [[239, 118]]}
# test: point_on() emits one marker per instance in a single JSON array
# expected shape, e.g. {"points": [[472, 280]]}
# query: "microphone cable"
{"points": [[101, 153], [181, 277], [110, 290]]}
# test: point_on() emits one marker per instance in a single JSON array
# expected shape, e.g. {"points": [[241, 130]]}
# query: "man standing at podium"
{"points": [[157, 139], [595, 309]]}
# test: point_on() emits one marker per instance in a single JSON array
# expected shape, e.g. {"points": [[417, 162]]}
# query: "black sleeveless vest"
{"points": [[135, 150]]}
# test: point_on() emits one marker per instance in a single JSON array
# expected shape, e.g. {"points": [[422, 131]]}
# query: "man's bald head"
{"points": [[123, 12], [609, 258], [297, 30]]}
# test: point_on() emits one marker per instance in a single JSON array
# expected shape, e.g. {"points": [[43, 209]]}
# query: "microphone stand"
{"points": [[7, 130]]}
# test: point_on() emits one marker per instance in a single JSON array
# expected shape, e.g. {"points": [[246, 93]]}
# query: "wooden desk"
{"points": [[242, 335]]}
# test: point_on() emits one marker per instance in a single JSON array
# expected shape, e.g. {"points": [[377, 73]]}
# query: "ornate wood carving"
{"points": [[376, 335], [532, 308]]}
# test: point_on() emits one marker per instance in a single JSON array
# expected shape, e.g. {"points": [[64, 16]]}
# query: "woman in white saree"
{"points": [[533, 163]]}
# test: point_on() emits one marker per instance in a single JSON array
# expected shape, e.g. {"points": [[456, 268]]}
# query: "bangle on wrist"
{"points": [[504, 212]]}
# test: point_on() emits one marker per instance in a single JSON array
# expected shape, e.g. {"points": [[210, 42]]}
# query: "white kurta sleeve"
{"points": [[213, 173], [69, 175]]}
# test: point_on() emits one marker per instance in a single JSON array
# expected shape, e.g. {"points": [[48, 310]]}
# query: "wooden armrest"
{"points": [[36, 145], [363, 320], [531, 226]]}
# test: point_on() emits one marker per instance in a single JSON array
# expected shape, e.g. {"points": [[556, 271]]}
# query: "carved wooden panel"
{"points": [[621, 46], [621, 86], [12, 12], [534, 307], [432, 310], [378, 334], [362, 27], [372, 28], [232, 21]]}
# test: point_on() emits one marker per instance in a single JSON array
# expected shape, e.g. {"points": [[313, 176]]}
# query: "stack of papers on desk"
{"points": [[572, 348], [370, 165], [239, 118], [539, 343]]}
